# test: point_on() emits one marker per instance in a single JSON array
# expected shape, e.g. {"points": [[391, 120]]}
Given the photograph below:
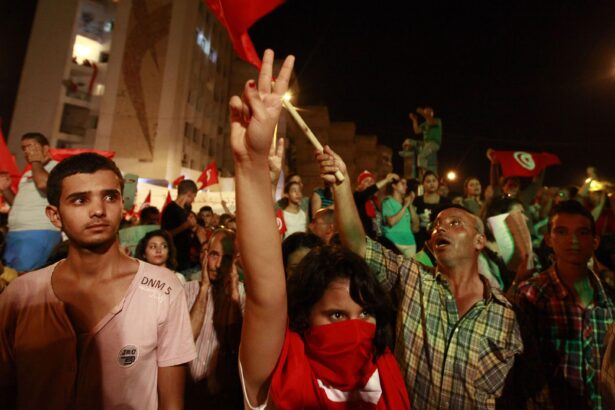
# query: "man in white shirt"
{"points": [[31, 237]]}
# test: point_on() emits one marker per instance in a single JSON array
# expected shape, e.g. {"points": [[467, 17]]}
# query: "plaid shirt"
{"points": [[570, 338], [447, 361]]}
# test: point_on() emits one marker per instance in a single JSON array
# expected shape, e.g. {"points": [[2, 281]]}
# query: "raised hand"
{"points": [[5, 181], [276, 157], [329, 162], [255, 115]]}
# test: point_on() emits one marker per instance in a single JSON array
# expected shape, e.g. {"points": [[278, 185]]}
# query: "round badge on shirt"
{"points": [[128, 355]]}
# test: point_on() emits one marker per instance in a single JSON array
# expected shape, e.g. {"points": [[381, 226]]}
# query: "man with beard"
{"points": [[87, 330], [216, 309], [180, 223]]}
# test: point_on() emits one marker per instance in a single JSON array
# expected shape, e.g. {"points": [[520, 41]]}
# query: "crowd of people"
{"points": [[380, 293]]}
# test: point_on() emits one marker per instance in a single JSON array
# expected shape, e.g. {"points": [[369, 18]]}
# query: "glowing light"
{"points": [[287, 96], [451, 175], [86, 49]]}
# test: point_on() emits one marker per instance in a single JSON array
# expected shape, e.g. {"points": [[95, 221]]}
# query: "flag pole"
{"points": [[308, 132]]}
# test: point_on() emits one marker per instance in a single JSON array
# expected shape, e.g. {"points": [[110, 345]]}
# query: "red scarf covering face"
{"points": [[337, 357]]}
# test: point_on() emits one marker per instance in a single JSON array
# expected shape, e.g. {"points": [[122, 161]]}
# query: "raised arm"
{"points": [[415, 124], [5, 187], [346, 215], [253, 120]]}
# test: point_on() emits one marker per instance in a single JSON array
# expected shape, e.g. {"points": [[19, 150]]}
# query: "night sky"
{"points": [[530, 75]]}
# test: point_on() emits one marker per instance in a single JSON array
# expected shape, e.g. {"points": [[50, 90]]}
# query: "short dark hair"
{"points": [[37, 136], [149, 212], [224, 219], [186, 186], [86, 163], [296, 241], [321, 266], [206, 208], [171, 262], [428, 173], [571, 207], [289, 185]]}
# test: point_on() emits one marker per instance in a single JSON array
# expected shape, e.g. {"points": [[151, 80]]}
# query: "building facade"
{"points": [[148, 79]]}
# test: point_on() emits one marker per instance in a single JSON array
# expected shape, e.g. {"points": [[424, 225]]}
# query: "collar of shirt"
{"points": [[562, 292], [489, 292]]}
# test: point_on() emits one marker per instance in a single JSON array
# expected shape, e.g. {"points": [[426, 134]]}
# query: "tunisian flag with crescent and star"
{"points": [[524, 164], [209, 176], [237, 16]]}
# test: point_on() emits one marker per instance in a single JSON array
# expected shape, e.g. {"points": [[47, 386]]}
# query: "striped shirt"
{"points": [[208, 340], [447, 361], [570, 338]]}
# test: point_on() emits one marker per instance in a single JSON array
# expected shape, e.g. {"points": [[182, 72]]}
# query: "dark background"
{"points": [[530, 75]]}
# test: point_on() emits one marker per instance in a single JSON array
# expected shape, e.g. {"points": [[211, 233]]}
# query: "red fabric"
{"points": [[237, 16], [177, 180], [524, 164], [279, 220], [209, 176], [8, 163], [167, 201], [372, 206], [322, 356], [147, 202], [60, 154]]}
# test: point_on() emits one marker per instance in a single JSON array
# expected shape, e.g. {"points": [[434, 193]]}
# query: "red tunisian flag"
{"points": [[279, 220], [167, 201], [8, 163], [524, 164], [60, 154], [209, 176], [237, 16], [147, 202], [177, 180]]}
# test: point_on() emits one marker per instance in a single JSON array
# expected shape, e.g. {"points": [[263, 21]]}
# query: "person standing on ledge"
{"points": [[431, 129]]}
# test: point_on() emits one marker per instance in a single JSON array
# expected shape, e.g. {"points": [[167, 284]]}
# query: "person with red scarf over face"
{"points": [[321, 343]]}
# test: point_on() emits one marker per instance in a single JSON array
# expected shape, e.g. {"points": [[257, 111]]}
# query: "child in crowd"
{"points": [[325, 347]]}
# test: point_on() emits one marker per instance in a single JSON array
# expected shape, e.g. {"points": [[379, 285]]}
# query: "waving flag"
{"points": [[237, 16], [209, 176], [147, 202], [279, 220], [524, 164], [177, 180], [8, 163]]}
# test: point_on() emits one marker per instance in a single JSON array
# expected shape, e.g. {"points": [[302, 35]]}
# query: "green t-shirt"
{"points": [[432, 133], [401, 232]]}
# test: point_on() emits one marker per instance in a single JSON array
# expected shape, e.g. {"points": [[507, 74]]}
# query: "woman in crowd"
{"points": [[325, 333], [157, 248], [472, 190], [399, 218], [427, 205], [295, 218]]}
